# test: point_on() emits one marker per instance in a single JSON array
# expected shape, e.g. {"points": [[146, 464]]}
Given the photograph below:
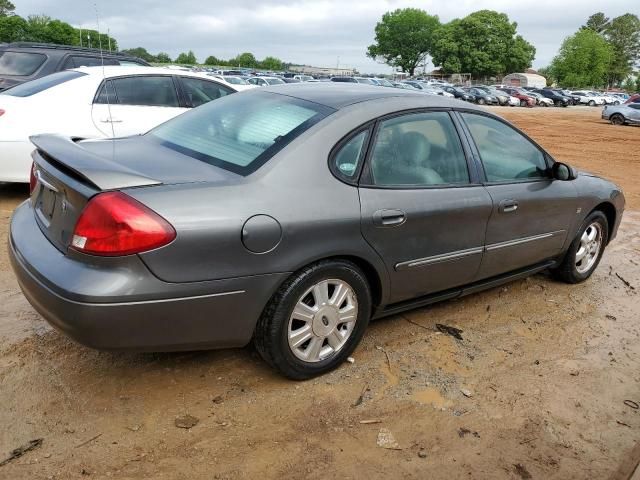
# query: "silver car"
{"points": [[628, 114], [291, 216]]}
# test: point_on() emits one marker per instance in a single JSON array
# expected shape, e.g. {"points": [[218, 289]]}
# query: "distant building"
{"points": [[525, 80], [328, 71]]}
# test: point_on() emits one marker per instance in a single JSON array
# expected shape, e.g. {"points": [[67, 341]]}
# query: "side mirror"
{"points": [[562, 171]]}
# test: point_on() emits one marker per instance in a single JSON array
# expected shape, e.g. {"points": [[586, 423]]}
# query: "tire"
{"points": [[283, 317], [481, 101], [592, 103], [617, 119], [523, 103], [572, 270]]}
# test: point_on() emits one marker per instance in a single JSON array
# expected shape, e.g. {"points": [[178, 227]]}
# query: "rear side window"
{"points": [[106, 94], [346, 160], [76, 61], [199, 92], [505, 153], [420, 149], [239, 132], [21, 63], [157, 91], [41, 84]]}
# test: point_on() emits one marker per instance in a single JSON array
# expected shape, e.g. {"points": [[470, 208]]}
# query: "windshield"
{"points": [[20, 63], [275, 81], [41, 84], [240, 132], [235, 80]]}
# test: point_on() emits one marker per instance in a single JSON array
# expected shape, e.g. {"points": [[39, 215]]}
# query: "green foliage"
{"points": [[597, 22], [245, 59], [163, 57], [623, 33], [403, 38], [629, 85], [583, 60], [547, 74], [142, 53], [13, 29], [211, 60], [483, 43], [271, 63], [6, 8], [187, 58]]}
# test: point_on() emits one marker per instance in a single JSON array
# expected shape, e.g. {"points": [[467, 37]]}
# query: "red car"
{"points": [[525, 100], [633, 99]]}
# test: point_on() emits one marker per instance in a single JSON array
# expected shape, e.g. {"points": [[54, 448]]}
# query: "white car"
{"points": [[265, 81], [589, 98], [90, 102], [238, 83]]}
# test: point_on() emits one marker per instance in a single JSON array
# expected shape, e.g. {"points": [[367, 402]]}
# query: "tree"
{"points": [[404, 38], [211, 60], [597, 22], [623, 33], [187, 58], [483, 43], [245, 59], [6, 8], [142, 53], [163, 57], [583, 60], [629, 85], [271, 63], [13, 29]]}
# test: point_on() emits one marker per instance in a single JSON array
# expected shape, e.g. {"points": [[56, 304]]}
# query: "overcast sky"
{"points": [[313, 32]]}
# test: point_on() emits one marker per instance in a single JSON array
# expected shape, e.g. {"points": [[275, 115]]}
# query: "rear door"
{"points": [[531, 213], [634, 112], [135, 104], [423, 209]]}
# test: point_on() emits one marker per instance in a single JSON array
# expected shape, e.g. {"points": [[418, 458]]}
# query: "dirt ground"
{"points": [[536, 388]]}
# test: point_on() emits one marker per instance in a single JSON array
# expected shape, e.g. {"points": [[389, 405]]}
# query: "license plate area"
{"points": [[46, 205]]}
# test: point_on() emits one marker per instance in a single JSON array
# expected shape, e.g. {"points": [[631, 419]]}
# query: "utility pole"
{"points": [[81, 35], [89, 39], [109, 38]]}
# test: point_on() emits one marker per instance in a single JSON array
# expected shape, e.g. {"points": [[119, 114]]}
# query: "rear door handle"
{"points": [[508, 206], [389, 218], [110, 120]]}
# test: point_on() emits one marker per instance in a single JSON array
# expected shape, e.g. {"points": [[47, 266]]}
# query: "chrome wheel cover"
{"points": [[322, 320], [589, 249]]}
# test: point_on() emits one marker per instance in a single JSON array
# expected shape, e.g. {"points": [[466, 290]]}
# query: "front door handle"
{"points": [[389, 218], [110, 120], [508, 206]]}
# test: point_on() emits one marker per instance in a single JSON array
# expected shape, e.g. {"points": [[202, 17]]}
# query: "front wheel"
{"points": [[592, 103], [586, 250], [481, 101], [315, 320], [617, 119]]}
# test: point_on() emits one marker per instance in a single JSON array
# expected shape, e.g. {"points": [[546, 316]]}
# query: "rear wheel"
{"points": [[481, 101], [592, 103], [616, 119], [315, 320], [523, 103], [586, 250]]}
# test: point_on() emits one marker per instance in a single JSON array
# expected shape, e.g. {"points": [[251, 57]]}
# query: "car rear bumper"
{"points": [[15, 160], [125, 307]]}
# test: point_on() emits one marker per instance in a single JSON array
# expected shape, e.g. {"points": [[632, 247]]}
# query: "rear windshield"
{"points": [[18, 64], [40, 84], [240, 132]]}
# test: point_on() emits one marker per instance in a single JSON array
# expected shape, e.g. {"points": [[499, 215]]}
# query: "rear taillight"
{"points": [[33, 180], [2, 112], [114, 224]]}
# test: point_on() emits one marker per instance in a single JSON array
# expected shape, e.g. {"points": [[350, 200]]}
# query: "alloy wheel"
{"points": [[322, 320], [617, 119], [589, 249]]}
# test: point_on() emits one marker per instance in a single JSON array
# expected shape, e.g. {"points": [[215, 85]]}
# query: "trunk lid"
{"points": [[69, 172]]}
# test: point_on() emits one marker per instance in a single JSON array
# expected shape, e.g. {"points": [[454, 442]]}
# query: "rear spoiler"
{"points": [[101, 172]]}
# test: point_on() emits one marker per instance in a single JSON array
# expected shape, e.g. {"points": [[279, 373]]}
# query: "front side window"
{"points": [[41, 84], [20, 63], [347, 159], [199, 92], [240, 132], [505, 153], [420, 149], [145, 90]]}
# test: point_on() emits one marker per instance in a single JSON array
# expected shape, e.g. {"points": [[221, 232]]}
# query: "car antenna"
{"points": [[104, 76]]}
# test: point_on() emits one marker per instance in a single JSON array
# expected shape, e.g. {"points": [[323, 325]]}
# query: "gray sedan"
{"points": [[622, 114], [291, 216]]}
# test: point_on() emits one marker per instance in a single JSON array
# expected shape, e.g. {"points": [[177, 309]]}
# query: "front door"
{"points": [[421, 209], [532, 213]]}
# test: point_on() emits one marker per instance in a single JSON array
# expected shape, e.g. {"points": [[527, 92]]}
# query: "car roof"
{"points": [[118, 70], [340, 95]]}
